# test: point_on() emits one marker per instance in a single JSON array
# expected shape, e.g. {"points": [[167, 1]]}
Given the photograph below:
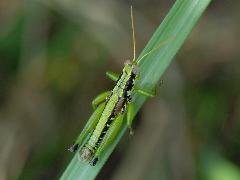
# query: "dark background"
{"points": [[53, 57]]}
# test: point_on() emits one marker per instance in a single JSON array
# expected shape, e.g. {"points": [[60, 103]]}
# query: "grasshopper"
{"points": [[110, 109]]}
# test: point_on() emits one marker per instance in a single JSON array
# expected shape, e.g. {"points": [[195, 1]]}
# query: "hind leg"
{"points": [[91, 124], [109, 137]]}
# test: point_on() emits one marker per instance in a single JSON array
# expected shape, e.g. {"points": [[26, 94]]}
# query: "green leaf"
{"points": [[174, 29]]}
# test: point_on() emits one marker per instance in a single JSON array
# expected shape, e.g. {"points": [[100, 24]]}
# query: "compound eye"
{"points": [[135, 70]]}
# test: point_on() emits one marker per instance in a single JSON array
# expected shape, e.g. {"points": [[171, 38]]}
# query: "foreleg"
{"points": [[113, 76]]}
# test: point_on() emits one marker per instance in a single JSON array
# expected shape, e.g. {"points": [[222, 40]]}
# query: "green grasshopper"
{"points": [[110, 109]]}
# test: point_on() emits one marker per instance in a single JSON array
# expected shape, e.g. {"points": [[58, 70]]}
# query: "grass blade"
{"points": [[177, 25]]}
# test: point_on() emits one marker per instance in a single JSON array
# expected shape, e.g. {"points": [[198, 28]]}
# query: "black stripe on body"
{"points": [[121, 104], [128, 87], [104, 131]]}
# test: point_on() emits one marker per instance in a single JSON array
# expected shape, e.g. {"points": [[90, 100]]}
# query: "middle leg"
{"points": [[145, 92], [100, 98]]}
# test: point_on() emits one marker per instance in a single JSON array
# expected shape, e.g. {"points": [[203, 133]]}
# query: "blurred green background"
{"points": [[53, 57]]}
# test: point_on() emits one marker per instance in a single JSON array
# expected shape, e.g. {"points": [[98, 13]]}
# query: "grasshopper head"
{"points": [[130, 68]]}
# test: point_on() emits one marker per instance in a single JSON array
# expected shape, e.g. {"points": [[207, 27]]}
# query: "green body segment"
{"points": [[111, 109]]}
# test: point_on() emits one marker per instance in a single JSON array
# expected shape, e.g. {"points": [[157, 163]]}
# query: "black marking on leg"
{"points": [[104, 131], [94, 162]]}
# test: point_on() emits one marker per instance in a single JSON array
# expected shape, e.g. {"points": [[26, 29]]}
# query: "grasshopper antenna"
{"points": [[133, 36], [134, 42], [154, 49]]}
